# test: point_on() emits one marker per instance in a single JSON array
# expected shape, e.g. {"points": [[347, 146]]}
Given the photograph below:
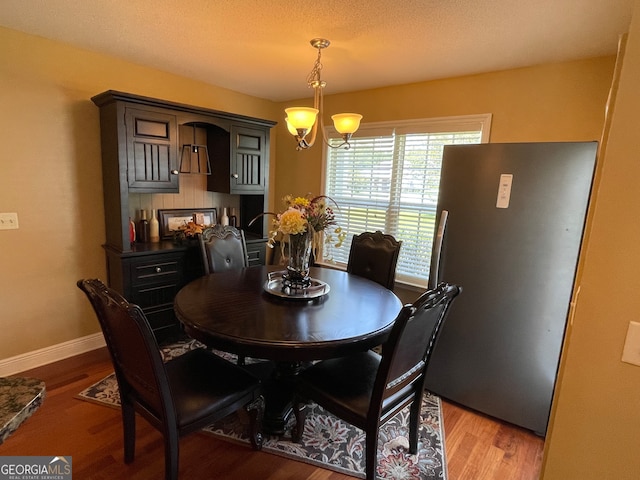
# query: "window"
{"points": [[388, 180]]}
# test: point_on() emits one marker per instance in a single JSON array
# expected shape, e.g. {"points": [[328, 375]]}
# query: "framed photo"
{"points": [[172, 220]]}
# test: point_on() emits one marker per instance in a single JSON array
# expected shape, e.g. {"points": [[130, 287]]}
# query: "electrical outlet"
{"points": [[8, 221], [631, 350]]}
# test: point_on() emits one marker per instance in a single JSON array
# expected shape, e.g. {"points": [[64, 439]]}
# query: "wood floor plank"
{"points": [[478, 447]]}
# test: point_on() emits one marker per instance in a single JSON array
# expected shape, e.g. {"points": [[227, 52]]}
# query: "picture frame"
{"points": [[171, 220]]}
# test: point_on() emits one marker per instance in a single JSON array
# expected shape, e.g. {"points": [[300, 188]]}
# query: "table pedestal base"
{"points": [[278, 393]]}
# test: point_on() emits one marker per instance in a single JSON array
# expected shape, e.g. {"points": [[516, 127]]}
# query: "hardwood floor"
{"points": [[478, 448]]}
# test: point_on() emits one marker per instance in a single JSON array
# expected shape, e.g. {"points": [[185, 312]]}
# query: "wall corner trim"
{"points": [[43, 356]]}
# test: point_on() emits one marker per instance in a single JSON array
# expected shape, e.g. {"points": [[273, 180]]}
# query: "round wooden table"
{"points": [[231, 311]]}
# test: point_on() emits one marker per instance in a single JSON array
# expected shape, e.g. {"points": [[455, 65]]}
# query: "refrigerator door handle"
{"points": [[436, 253]]}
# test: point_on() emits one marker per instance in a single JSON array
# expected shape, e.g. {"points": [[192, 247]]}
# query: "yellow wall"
{"points": [[595, 432], [559, 102], [51, 176]]}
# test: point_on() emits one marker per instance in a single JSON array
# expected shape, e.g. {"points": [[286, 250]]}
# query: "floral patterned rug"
{"points": [[327, 441]]}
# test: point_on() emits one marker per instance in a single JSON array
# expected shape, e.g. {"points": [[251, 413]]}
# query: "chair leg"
{"points": [[171, 454], [255, 409], [300, 412], [371, 454], [414, 425], [129, 430]]}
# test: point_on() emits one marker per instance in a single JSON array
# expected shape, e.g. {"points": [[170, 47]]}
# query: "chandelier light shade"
{"points": [[301, 118], [346, 122], [302, 122]]}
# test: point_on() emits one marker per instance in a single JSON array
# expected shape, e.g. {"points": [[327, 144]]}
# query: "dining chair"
{"points": [[366, 389], [177, 397], [374, 255], [222, 248]]}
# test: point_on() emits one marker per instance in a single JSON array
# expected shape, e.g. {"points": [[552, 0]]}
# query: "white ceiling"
{"points": [[261, 47]]}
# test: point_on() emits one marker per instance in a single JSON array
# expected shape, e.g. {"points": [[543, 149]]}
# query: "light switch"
{"points": [[8, 221], [631, 350]]}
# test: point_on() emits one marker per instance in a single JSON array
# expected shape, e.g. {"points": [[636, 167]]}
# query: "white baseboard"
{"points": [[37, 358]]}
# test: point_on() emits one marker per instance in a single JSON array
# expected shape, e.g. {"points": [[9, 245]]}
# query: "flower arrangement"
{"points": [[308, 215], [188, 230], [301, 226]]}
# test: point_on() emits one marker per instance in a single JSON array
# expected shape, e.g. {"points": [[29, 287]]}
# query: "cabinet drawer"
{"points": [[151, 281], [156, 271]]}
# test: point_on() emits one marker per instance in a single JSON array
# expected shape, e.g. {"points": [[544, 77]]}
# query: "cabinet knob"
{"points": [[174, 172], [234, 175], [158, 269]]}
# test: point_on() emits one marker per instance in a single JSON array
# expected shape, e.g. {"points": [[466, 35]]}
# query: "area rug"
{"points": [[327, 441]]}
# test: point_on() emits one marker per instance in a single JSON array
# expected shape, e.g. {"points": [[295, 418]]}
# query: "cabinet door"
{"points": [[248, 160], [152, 152]]}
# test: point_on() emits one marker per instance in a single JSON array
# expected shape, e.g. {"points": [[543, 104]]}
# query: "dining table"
{"points": [[249, 313]]}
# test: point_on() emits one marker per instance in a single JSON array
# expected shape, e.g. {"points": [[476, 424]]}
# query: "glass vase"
{"points": [[299, 253]]}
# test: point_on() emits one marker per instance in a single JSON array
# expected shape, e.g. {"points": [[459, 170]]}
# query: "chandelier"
{"points": [[302, 122]]}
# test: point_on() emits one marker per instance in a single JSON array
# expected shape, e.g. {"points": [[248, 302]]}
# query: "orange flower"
{"points": [[191, 229]]}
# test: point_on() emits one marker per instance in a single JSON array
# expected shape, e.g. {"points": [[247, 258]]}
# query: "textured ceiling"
{"points": [[261, 47]]}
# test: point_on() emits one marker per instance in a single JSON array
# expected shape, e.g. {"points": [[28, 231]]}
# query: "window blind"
{"points": [[388, 180]]}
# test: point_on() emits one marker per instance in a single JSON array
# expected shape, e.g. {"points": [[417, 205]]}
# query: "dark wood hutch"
{"points": [[140, 154]]}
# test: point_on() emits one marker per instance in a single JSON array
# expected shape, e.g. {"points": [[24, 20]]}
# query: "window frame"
{"points": [[433, 125]]}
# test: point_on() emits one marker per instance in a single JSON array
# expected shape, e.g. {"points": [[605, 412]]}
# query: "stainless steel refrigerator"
{"points": [[515, 216]]}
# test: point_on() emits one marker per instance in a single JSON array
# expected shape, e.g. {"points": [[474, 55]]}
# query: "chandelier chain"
{"points": [[314, 80]]}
